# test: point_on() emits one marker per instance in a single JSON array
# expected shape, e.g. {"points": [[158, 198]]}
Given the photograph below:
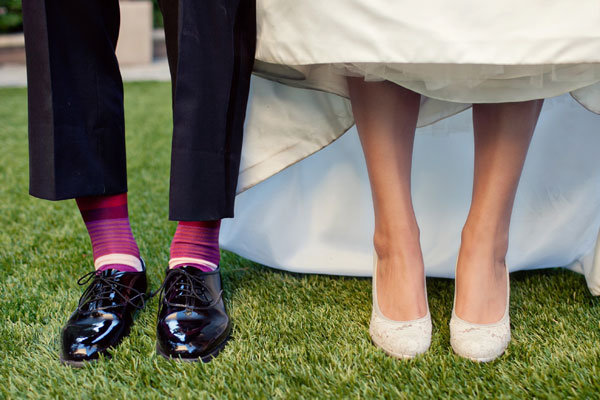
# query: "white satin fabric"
{"points": [[457, 51], [499, 52], [316, 216], [509, 32]]}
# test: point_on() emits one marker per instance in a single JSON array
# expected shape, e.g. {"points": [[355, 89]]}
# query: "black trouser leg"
{"points": [[214, 43], [76, 123]]}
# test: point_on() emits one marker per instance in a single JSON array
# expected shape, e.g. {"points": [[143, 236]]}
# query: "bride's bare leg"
{"points": [[502, 136], [386, 117]]}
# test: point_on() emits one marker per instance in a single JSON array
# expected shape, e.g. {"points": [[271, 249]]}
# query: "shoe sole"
{"points": [[75, 364], [399, 356], [479, 359], [484, 359], [205, 358]]}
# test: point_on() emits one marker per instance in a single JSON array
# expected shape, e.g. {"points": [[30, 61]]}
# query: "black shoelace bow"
{"points": [[191, 288], [102, 288]]}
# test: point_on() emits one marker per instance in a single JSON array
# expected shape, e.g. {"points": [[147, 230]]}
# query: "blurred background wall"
{"points": [[141, 39]]}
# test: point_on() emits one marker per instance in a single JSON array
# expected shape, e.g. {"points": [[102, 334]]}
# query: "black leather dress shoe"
{"points": [[192, 321], [104, 315]]}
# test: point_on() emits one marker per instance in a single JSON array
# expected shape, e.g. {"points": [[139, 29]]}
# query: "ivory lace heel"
{"points": [[399, 339], [481, 342]]}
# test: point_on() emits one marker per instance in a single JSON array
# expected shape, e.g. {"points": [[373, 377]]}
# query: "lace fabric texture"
{"points": [[401, 339], [479, 342]]}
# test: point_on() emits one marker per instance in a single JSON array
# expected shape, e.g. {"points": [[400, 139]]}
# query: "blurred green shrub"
{"points": [[158, 19], [11, 19]]}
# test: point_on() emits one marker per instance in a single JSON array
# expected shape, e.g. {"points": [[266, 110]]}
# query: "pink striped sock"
{"points": [[196, 244], [107, 222]]}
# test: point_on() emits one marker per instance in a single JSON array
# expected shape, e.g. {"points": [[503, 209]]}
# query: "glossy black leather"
{"points": [[192, 320], [104, 315]]}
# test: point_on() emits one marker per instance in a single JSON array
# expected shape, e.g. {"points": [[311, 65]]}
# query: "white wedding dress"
{"points": [[305, 210]]}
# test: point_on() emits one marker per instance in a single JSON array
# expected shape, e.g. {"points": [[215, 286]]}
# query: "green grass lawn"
{"points": [[295, 336]]}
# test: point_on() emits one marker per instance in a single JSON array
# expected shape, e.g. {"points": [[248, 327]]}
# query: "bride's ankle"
{"points": [[400, 243], [484, 243]]}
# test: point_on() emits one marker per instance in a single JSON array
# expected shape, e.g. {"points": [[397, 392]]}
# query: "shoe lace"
{"points": [[102, 288], [191, 288]]}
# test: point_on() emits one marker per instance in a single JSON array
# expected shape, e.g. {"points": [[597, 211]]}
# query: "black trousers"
{"points": [[76, 122]]}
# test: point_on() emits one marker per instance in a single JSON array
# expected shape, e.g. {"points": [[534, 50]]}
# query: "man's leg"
{"points": [[76, 123], [77, 150], [215, 43], [211, 50]]}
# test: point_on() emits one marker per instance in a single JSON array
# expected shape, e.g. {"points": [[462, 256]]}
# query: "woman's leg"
{"points": [[386, 117], [502, 136]]}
